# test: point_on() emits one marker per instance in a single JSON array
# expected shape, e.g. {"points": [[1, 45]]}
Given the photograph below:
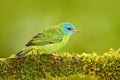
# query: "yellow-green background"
{"points": [[97, 20]]}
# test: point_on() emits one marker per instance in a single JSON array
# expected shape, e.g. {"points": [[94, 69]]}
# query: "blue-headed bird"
{"points": [[50, 39]]}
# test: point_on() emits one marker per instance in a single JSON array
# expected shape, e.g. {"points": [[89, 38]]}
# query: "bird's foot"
{"points": [[55, 55]]}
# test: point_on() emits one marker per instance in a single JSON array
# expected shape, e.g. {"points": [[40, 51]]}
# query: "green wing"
{"points": [[46, 37]]}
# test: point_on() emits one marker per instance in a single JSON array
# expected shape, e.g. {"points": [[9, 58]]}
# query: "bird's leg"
{"points": [[32, 51], [55, 57], [38, 51]]}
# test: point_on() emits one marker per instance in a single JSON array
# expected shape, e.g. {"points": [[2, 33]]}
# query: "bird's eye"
{"points": [[69, 28]]}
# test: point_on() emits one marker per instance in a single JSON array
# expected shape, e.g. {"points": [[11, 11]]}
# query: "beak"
{"points": [[75, 30]]}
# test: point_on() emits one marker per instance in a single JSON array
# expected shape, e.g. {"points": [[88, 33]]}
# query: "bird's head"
{"points": [[68, 28]]}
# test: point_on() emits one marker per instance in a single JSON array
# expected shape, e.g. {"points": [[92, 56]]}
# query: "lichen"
{"points": [[36, 67]]}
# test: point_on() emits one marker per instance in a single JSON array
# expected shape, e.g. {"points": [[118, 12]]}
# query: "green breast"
{"points": [[53, 47]]}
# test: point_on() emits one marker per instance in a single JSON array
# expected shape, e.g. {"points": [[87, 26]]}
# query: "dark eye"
{"points": [[69, 28]]}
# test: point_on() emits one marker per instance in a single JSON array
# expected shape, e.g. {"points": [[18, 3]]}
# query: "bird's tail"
{"points": [[23, 52]]}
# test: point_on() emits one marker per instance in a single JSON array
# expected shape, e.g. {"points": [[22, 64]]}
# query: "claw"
{"points": [[55, 55]]}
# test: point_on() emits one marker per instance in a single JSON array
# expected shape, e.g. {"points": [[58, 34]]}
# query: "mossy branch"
{"points": [[36, 67]]}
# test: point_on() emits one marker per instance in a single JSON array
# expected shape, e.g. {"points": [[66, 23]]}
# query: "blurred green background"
{"points": [[97, 20]]}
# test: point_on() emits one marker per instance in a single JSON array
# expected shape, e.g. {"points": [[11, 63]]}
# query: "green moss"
{"points": [[35, 67]]}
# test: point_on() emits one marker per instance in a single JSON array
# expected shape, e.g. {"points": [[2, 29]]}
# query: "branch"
{"points": [[32, 67]]}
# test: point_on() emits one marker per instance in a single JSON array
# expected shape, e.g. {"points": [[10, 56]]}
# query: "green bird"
{"points": [[50, 39]]}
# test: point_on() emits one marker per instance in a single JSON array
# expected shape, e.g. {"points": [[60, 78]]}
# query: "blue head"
{"points": [[68, 28]]}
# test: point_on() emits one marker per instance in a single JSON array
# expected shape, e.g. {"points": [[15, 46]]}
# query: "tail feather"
{"points": [[22, 53]]}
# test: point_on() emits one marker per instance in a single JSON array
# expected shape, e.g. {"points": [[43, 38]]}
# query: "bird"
{"points": [[50, 39]]}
